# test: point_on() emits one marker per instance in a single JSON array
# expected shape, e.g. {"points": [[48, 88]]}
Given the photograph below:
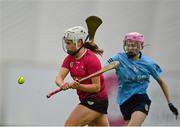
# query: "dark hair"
{"points": [[93, 47]]}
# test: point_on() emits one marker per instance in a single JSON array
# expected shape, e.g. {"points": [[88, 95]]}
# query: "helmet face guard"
{"points": [[71, 52], [74, 34], [133, 43], [132, 48], [66, 42]]}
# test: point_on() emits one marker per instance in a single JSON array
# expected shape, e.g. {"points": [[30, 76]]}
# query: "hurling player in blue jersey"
{"points": [[133, 75]]}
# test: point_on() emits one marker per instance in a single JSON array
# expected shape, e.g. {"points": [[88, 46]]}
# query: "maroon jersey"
{"points": [[86, 65]]}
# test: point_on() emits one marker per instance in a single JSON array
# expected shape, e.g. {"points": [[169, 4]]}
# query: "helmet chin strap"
{"points": [[73, 53]]}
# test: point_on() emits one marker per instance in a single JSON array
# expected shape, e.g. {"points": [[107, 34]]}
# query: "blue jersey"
{"points": [[133, 75]]}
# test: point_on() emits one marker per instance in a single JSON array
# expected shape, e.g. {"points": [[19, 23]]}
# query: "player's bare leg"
{"points": [[100, 121], [137, 118], [81, 116]]}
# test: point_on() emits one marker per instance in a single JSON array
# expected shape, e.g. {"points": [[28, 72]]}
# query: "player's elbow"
{"points": [[56, 80]]}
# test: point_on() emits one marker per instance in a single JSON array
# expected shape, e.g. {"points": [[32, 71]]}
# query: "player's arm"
{"points": [[165, 90], [61, 76], [90, 88]]}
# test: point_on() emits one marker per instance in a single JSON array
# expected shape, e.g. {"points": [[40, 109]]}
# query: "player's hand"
{"points": [[173, 109], [65, 86], [74, 84]]}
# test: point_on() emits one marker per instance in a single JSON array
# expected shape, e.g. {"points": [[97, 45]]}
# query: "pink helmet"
{"points": [[134, 36]]}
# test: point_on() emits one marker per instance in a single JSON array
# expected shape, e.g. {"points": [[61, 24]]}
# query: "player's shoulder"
{"points": [[91, 59], [147, 59], [120, 55], [90, 54], [117, 57]]}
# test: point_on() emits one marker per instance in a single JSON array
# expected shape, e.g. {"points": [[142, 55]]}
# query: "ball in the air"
{"points": [[21, 80]]}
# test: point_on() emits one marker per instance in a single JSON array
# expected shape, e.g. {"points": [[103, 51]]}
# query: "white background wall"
{"points": [[30, 45]]}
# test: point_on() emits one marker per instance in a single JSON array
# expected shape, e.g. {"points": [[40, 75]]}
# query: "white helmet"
{"points": [[76, 33]]}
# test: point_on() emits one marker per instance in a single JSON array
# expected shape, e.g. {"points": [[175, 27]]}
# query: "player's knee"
{"points": [[71, 122]]}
